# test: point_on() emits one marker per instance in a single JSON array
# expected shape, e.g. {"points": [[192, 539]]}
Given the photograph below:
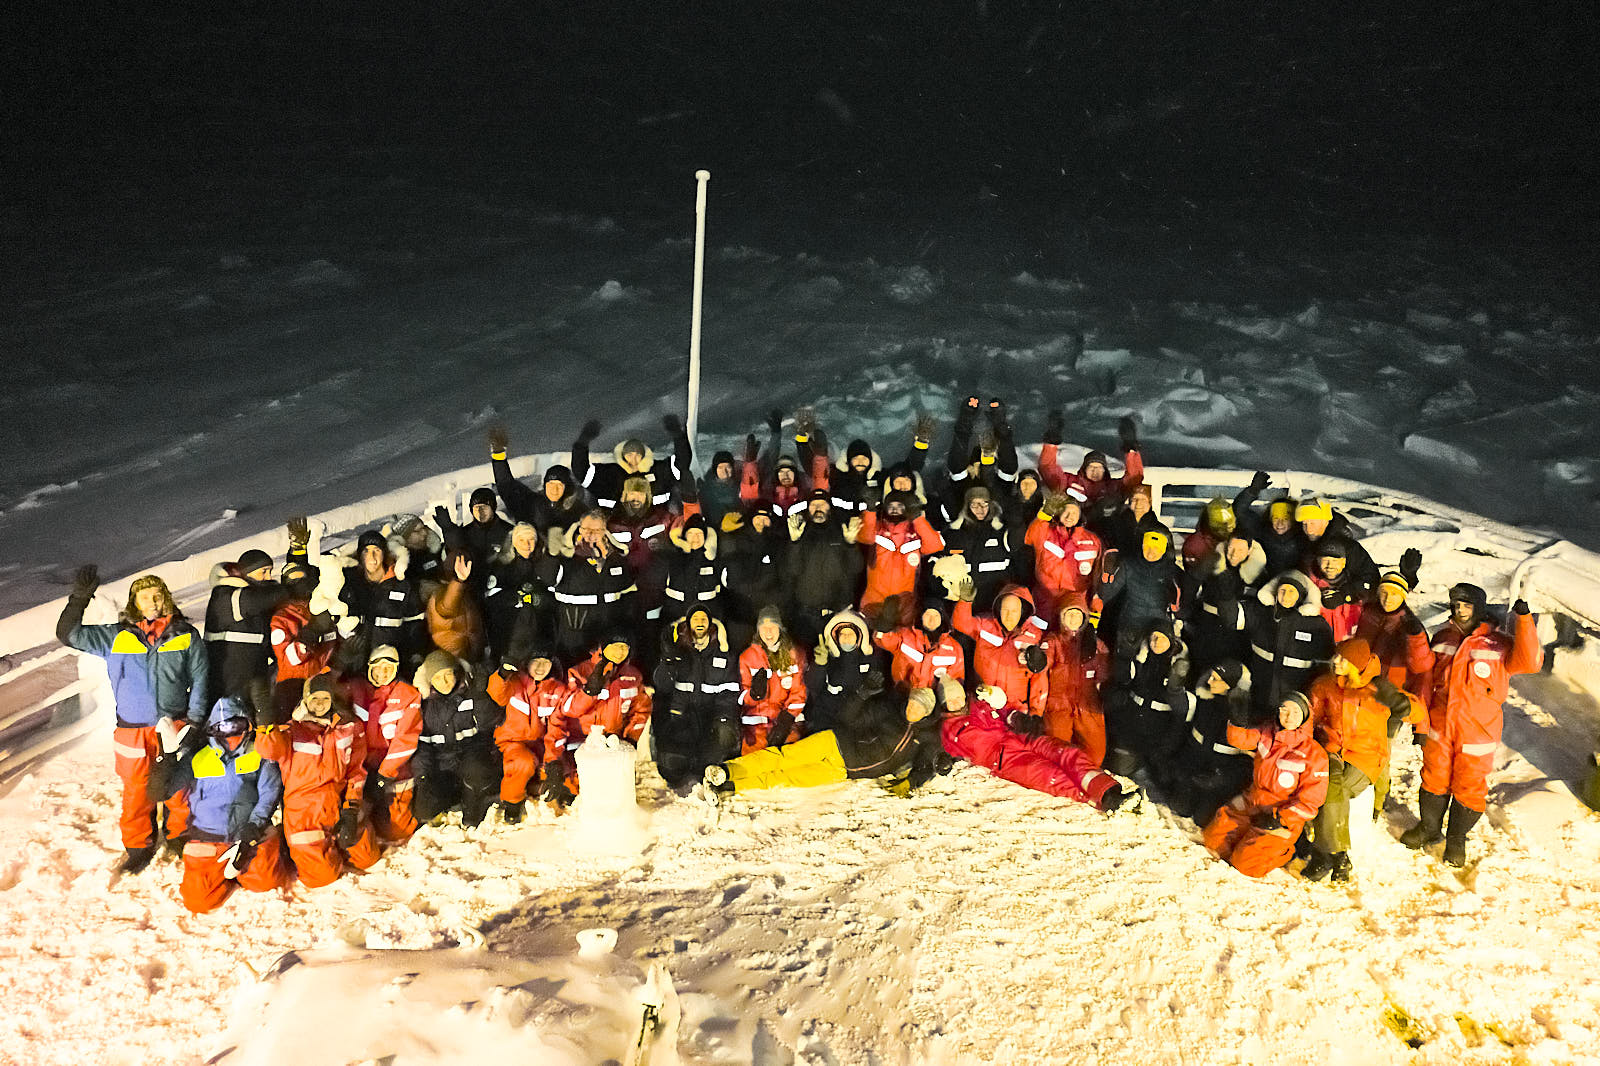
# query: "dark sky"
{"points": [[1432, 111]]}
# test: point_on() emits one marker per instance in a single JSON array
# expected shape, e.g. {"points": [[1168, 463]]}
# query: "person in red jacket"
{"points": [[1066, 555], [1091, 483], [988, 735], [301, 644], [608, 693], [1256, 833], [532, 688], [392, 711], [923, 653], [897, 537], [1473, 663], [1397, 638], [1079, 664], [1000, 639], [322, 753], [772, 685]]}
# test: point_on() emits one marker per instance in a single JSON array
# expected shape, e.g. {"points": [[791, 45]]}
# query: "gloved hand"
{"points": [[165, 776], [872, 684], [775, 421], [1054, 426], [252, 834], [1128, 434], [499, 441], [1239, 714], [507, 670], [441, 515], [349, 826], [805, 424], [922, 431], [1054, 504], [751, 448], [1025, 724], [887, 616], [966, 415], [321, 624], [1332, 597], [778, 732], [1410, 565], [998, 418], [1266, 821], [590, 430], [1520, 607], [967, 591], [85, 581], [597, 680], [1259, 483], [299, 533], [382, 782], [556, 791], [672, 425], [943, 762], [759, 684], [1418, 738]]}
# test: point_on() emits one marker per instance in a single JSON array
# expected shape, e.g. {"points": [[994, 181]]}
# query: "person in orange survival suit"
{"points": [[608, 694], [1256, 832], [392, 710], [1473, 663], [1079, 666], [322, 753], [532, 687], [897, 537], [772, 685]]}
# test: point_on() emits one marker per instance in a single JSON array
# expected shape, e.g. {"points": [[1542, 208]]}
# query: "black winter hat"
{"points": [[1469, 593], [481, 495], [254, 559], [1096, 456], [558, 473], [1165, 628], [820, 494], [724, 456], [1332, 548], [1034, 658], [1230, 670], [858, 447], [695, 521], [371, 539], [906, 500]]}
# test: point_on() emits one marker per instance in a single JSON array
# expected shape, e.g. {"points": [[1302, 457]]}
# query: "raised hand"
{"points": [[85, 581], [499, 440], [590, 430], [299, 531], [1128, 433], [1054, 426]]}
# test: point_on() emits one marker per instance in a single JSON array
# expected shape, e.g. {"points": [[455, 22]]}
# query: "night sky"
{"points": [[1463, 115]]}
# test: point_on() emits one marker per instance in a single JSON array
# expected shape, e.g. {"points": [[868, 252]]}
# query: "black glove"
{"points": [[672, 425], [165, 776], [967, 415], [1239, 714], [758, 685], [1520, 607], [943, 762], [381, 782], [597, 680], [778, 732], [556, 791], [1332, 597], [590, 430], [1028, 725], [499, 440], [1419, 739], [251, 835], [1128, 434], [441, 514], [507, 671], [1410, 565], [872, 684], [1054, 425], [998, 417], [775, 421], [320, 626], [751, 448], [1259, 483], [299, 532], [1266, 820], [85, 581], [349, 826]]}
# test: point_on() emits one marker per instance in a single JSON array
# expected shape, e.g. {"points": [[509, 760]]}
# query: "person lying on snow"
{"points": [[1256, 832], [1008, 740], [881, 733]]}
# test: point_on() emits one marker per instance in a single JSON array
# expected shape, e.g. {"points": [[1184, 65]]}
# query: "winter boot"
{"points": [[1342, 868], [716, 778], [1427, 831], [1318, 866], [134, 860], [510, 813], [1112, 799], [1302, 847], [1462, 819]]}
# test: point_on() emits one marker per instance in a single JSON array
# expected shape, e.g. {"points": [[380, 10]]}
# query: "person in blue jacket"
{"points": [[159, 672], [233, 791]]}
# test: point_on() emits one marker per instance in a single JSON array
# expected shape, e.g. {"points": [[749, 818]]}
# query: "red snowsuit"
{"points": [[918, 661], [997, 660], [1042, 763], [529, 706], [1470, 677], [786, 691], [1341, 619], [1064, 561], [1290, 779], [1072, 710], [296, 659], [323, 769], [896, 551], [621, 708], [1078, 485], [393, 715], [1406, 657]]}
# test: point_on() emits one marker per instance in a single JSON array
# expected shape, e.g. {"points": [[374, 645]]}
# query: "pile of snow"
{"points": [[606, 818]]}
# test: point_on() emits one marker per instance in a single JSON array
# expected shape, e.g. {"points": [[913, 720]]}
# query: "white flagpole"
{"points": [[700, 177]]}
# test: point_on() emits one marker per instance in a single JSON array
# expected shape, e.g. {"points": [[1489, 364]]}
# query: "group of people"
{"points": [[789, 617]]}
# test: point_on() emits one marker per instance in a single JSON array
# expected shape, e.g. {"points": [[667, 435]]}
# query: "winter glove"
{"points": [[1054, 504], [165, 776], [499, 441], [775, 421], [1410, 565], [758, 685], [349, 826], [805, 425], [320, 625], [751, 448], [382, 782], [1054, 425], [967, 591], [779, 731], [1128, 434], [872, 684], [887, 616], [507, 671], [922, 432], [1266, 821], [299, 533], [1025, 724], [1332, 597], [556, 791], [1520, 607], [1418, 737], [967, 415], [590, 430], [943, 762], [597, 680], [1259, 483], [85, 581], [251, 835], [441, 515], [672, 425], [999, 420]]}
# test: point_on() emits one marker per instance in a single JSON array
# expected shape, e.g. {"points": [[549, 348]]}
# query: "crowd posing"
{"points": [[790, 617]]}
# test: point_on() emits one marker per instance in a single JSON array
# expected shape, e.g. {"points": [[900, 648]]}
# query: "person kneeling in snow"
{"points": [[609, 695], [1010, 745], [321, 755], [881, 733], [456, 761], [1256, 832], [532, 687], [232, 791]]}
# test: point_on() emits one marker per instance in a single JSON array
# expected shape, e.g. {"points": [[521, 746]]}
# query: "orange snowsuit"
{"points": [[1353, 723], [393, 715], [1072, 709], [323, 770], [455, 620], [1290, 780], [529, 706], [917, 661], [786, 693], [896, 551], [1470, 678], [1064, 561], [997, 660], [621, 708]]}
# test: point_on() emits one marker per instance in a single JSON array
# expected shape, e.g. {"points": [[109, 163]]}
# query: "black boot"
{"points": [[1318, 866], [1112, 799], [1462, 819], [134, 860], [510, 813], [1427, 831], [1341, 867]]}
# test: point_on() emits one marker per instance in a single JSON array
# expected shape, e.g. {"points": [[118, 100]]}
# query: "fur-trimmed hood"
{"points": [[842, 464], [1254, 565], [1310, 603], [675, 534], [678, 633], [561, 541], [644, 464], [828, 646]]}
